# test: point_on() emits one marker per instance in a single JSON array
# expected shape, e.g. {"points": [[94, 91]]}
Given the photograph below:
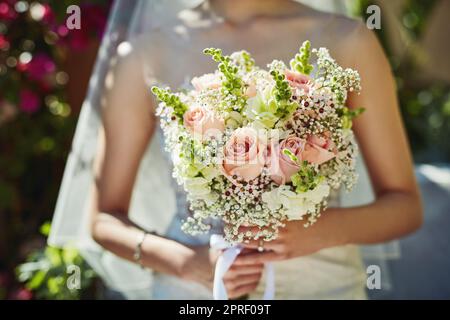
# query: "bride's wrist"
{"points": [[196, 264]]}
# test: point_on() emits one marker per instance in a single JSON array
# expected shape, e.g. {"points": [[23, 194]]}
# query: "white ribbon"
{"points": [[224, 263]]}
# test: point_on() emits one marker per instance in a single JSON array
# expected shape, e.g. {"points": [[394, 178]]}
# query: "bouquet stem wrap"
{"points": [[225, 261]]}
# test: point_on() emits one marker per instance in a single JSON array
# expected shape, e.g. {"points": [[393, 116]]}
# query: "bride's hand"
{"points": [[198, 265], [242, 279], [294, 240]]}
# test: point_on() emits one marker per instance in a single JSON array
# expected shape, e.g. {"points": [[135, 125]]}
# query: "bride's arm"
{"points": [[129, 122], [128, 127], [397, 209]]}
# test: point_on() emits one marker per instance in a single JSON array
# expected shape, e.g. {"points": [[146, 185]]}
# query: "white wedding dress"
{"points": [[158, 205]]}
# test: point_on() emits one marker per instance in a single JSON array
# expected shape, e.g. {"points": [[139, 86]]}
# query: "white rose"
{"points": [[318, 193], [210, 172], [271, 198], [293, 204]]}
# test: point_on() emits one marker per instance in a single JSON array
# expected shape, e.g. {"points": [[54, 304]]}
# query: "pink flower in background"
{"points": [[29, 101], [22, 294], [93, 23], [49, 15], [40, 66], [3, 42], [95, 15], [78, 39], [7, 11]]}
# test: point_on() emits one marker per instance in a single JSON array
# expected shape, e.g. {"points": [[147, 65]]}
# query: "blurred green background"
{"points": [[44, 70]]}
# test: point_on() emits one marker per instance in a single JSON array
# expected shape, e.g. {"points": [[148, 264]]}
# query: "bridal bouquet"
{"points": [[257, 147]]}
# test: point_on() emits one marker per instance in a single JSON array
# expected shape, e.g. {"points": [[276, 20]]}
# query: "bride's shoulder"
{"points": [[335, 25], [346, 37]]}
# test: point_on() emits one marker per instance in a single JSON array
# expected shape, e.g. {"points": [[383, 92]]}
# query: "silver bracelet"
{"points": [[138, 251]]}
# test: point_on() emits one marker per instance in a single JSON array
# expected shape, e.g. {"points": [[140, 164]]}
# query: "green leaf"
{"points": [[291, 156], [54, 255], [307, 178], [347, 115], [45, 228], [69, 255], [37, 280]]}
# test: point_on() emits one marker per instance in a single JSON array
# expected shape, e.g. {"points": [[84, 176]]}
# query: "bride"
{"points": [[133, 190]]}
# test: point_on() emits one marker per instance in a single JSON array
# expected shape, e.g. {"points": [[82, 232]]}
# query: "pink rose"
{"points": [[281, 166], [243, 155], [207, 81], [200, 121], [298, 80], [317, 150]]}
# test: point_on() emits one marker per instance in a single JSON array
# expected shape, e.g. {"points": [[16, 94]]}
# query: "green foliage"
{"points": [[291, 156], [248, 61], [422, 99], [300, 63], [232, 86], [282, 93], [306, 178], [171, 100], [347, 115], [47, 272]]}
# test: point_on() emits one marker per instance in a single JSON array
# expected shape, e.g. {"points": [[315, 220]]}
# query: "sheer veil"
{"points": [[152, 204]]}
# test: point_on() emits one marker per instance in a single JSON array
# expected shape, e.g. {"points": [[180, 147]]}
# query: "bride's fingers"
{"points": [[258, 257], [232, 284], [244, 270], [243, 290], [267, 245]]}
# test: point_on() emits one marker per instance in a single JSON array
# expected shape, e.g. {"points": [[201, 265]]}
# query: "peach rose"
{"points": [[281, 166], [207, 81], [297, 80], [317, 150], [202, 122], [243, 155]]}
